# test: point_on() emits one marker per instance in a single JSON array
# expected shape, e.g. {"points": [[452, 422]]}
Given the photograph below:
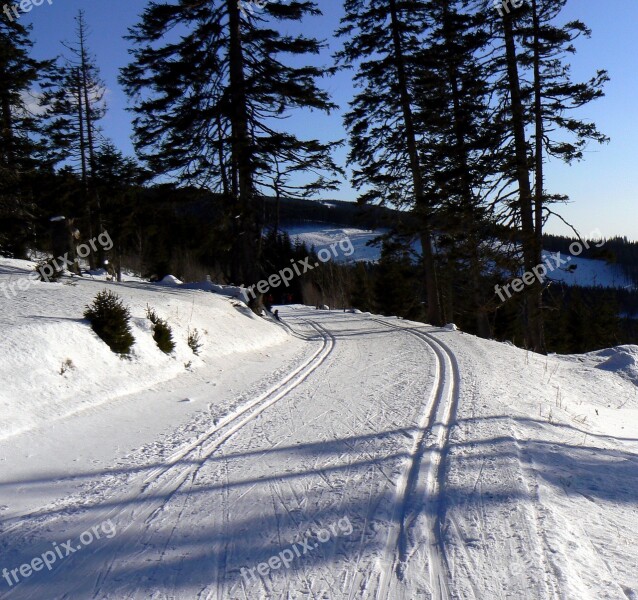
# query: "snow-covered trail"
{"points": [[305, 455], [388, 461]]}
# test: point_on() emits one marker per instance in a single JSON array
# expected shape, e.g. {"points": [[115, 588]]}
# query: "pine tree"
{"points": [[77, 105], [532, 48], [383, 40], [396, 286], [362, 296], [110, 319], [461, 146], [555, 95], [207, 105], [22, 147], [117, 180]]}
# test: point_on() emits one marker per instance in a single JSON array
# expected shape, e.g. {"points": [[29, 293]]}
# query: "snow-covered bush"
{"points": [[110, 320]]}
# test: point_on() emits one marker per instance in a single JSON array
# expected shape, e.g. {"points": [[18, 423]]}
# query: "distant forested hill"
{"points": [[617, 250]]}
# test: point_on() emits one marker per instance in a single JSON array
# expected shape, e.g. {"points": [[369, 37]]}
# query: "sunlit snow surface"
{"points": [[465, 468], [587, 272]]}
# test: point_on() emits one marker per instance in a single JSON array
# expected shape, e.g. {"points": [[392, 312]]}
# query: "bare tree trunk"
{"points": [[83, 164], [248, 232], [533, 293], [421, 207], [222, 159], [539, 197], [90, 142]]}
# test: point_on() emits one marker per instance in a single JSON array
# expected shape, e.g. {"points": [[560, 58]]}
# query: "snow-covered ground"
{"points": [[320, 236], [334, 456], [52, 364], [584, 272]]}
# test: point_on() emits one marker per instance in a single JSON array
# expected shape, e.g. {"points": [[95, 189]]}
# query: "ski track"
{"points": [[370, 429], [421, 487], [417, 498], [156, 489]]}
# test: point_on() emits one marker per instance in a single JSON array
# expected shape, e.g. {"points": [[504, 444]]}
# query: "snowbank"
{"points": [[53, 365], [622, 360]]}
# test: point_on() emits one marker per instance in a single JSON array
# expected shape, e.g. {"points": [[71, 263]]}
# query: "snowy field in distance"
{"points": [[587, 272]]}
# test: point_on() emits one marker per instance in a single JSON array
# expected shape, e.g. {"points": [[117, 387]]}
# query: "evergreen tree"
{"points": [[533, 49], [22, 147], [363, 293], [77, 106], [554, 95], [383, 40], [396, 286], [117, 180], [461, 145], [207, 103]]}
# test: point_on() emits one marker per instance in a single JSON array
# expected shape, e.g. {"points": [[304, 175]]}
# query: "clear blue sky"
{"points": [[603, 188]]}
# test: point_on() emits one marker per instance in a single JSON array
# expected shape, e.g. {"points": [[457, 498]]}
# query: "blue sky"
{"points": [[603, 188]]}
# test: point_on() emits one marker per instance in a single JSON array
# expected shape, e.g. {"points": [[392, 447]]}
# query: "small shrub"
{"points": [[110, 320], [48, 270], [162, 332], [67, 365], [194, 341]]}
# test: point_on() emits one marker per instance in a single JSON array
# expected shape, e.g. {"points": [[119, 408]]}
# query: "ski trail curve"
{"points": [[151, 492], [420, 488]]}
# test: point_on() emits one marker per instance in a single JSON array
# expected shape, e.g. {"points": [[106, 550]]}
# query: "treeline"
{"points": [[616, 250], [459, 104], [293, 211], [579, 319]]}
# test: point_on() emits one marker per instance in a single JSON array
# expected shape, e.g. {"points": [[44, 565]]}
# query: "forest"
{"points": [[459, 105]]}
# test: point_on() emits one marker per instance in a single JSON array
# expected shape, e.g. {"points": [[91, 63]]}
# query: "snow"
{"points": [[577, 271], [587, 272], [321, 235], [171, 281], [337, 455], [43, 330], [622, 360]]}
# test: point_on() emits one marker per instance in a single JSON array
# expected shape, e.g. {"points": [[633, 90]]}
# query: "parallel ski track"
{"points": [[150, 495], [422, 483], [233, 422]]}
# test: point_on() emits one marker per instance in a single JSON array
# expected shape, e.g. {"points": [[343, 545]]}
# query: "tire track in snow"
{"points": [[420, 488]]}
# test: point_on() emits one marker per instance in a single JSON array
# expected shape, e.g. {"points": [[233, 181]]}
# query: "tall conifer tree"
{"points": [[211, 80], [383, 41], [22, 146], [533, 48]]}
